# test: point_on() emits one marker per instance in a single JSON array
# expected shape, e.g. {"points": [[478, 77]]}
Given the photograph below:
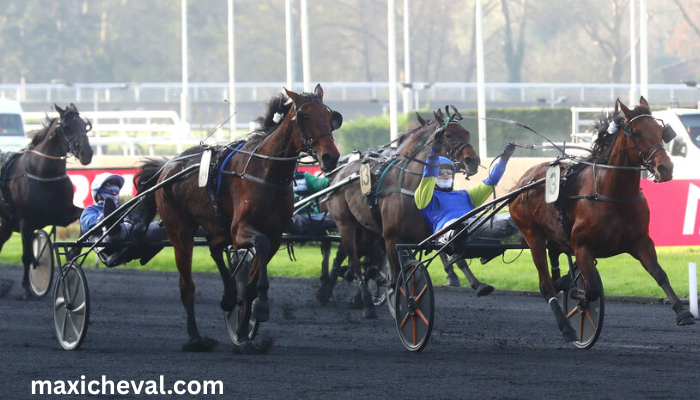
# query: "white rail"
{"points": [[167, 92], [131, 129]]}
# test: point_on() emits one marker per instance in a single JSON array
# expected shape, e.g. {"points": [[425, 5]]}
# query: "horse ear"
{"points": [[624, 108], [420, 120], [292, 95], [318, 91], [438, 117], [72, 106], [643, 101], [59, 109]]}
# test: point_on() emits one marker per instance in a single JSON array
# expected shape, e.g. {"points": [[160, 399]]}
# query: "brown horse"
{"points": [[35, 190], [600, 212], [252, 208], [396, 219]]}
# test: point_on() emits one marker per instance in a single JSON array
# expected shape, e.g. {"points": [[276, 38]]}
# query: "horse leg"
{"points": [[538, 249], [229, 298], [452, 279], [249, 237], [183, 259], [323, 293], [5, 232], [560, 282], [369, 311], [645, 252], [27, 259]]}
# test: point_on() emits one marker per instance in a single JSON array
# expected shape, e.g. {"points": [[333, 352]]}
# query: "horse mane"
{"points": [[266, 122], [41, 134], [604, 143], [413, 140]]}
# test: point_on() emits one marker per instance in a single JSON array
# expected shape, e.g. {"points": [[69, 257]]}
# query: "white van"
{"points": [[685, 148], [13, 136]]}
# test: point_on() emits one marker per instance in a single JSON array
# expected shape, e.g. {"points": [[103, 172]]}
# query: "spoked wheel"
{"points": [[239, 266], [379, 290], [585, 316], [71, 306], [41, 272], [415, 306]]}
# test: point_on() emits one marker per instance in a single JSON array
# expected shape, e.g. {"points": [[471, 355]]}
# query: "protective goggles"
{"points": [[446, 172], [110, 190]]}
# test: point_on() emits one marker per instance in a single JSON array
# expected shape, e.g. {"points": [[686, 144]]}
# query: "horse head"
{"points": [[457, 145], [74, 131], [644, 137], [315, 123]]}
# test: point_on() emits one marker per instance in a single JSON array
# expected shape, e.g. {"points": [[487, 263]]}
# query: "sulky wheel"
{"points": [[239, 266], [414, 306], [41, 271], [71, 306], [585, 316]]}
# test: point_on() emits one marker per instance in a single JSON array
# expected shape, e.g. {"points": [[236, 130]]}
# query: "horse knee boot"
{"points": [[261, 310]]}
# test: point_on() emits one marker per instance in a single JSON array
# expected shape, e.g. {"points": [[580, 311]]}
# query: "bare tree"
{"points": [[513, 52], [605, 26]]}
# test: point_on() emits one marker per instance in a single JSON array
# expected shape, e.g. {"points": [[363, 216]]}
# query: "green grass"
{"points": [[622, 275]]}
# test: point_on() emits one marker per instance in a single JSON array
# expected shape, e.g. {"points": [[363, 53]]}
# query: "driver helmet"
{"points": [[446, 174], [106, 185]]}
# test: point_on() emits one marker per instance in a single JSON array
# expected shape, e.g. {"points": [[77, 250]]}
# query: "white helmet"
{"points": [[101, 180]]}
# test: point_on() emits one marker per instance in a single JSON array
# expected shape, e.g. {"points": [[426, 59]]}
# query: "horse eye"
{"points": [[304, 116]]}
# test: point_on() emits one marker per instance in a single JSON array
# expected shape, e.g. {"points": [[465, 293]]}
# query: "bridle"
{"points": [[73, 145], [308, 143], [667, 135]]}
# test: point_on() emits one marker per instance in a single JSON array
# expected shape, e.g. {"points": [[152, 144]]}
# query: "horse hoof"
{"points": [[27, 296], [370, 312], [569, 335], [685, 318], [261, 310], [563, 284], [200, 345], [452, 280], [251, 347], [484, 289], [323, 294], [356, 302]]}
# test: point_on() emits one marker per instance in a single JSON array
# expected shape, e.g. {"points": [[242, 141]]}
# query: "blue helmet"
{"points": [[446, 163]]}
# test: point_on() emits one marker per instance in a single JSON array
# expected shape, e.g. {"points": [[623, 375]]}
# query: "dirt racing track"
{"points": [[505, 346]]}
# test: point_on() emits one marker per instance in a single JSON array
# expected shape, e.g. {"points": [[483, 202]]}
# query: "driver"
{"points": [[439, 204], [105, 192]]}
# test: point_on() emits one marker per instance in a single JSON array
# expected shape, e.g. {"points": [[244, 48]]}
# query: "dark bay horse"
{"points": [[602, 212], [396, 219], [253, 207], [35, 190]]}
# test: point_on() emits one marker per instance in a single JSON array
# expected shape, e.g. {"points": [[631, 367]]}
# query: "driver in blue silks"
{"points": [[440, 204], [105, 192]]}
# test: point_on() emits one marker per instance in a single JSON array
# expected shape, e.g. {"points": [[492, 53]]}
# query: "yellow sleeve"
{"points": [[480, 193]]}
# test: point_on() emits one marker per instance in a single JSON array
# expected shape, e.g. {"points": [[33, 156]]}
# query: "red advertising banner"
{"points": [[675, 220], [82, 179]]}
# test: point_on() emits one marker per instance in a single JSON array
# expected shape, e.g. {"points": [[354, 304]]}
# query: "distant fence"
{"points": [[135, 132], [546, 93]]}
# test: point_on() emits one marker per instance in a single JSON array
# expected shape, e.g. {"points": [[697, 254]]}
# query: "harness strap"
{"points": [[599, 197], [40, 179]]}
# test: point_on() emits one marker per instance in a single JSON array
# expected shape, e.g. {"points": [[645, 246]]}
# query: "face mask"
{"points": [[444, 183]]}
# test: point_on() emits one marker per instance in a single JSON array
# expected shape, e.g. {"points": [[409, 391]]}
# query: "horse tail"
{"points": [[146, 178]]}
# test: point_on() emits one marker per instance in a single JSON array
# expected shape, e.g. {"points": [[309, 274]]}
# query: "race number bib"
{"points": [[365, 179], [551, 188], [204, 168]]}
